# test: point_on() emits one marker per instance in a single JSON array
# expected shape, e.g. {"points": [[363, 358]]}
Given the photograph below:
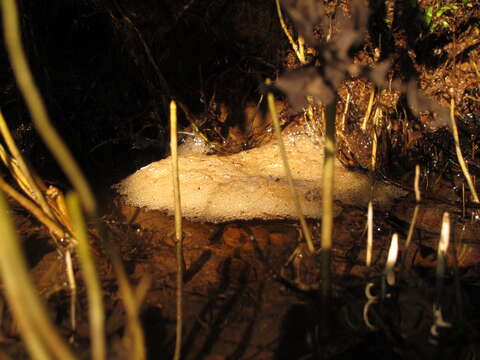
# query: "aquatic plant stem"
{"points": [[36, 106], [458, 150], [327, 196], [39, 333], [178, 228], [296, 200], [96, 311]]}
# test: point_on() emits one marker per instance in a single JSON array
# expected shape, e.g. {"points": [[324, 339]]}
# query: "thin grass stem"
{"points": [[418, 198], [133, 338], [297, 48], [373, 163], [345, 112], [40, 335], [458, 150], [369, 109], [391, 260], [368, 259], [416, 184], [34, 191], [96, 313], [475, 68], [73, 289], [327, 195], [442, 257], [411, 230], [293, 191], [33, 209], [178, 229]]}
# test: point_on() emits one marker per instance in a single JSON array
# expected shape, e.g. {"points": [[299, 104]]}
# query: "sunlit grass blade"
{"points": [[40, 335], [94, 290]]}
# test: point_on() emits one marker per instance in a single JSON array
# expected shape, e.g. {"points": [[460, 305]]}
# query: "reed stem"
{"points": [[297, 48], [96, 311], [178, 229], [39, 333], [293, 191], [327, 196], [458, 150]]}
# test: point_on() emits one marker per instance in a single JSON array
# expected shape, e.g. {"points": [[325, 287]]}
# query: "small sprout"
{"points": [[432, 17], [427, 18], [443, 9]]}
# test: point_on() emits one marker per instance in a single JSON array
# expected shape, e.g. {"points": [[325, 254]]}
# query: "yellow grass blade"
{"points": [[40, 335]]}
